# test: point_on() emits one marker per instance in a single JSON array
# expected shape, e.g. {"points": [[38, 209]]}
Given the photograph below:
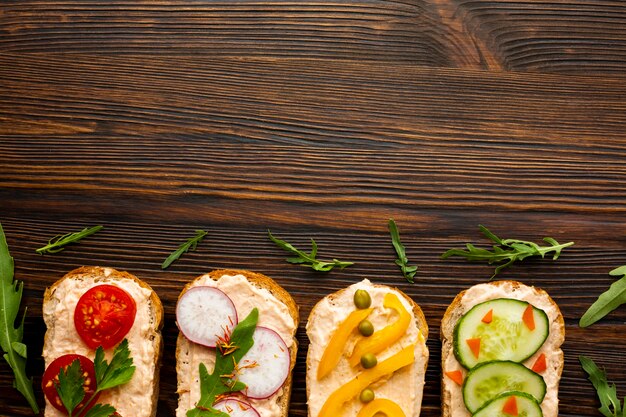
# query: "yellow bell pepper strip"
{"points": [[336, 400], [381, 405], [386, 336], [337, 343]]}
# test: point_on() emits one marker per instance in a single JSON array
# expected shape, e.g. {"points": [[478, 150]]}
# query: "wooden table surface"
{"points": [[318, 120]]}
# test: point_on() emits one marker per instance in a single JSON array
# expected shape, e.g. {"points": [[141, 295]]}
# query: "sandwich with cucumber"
{"points": [[501, 352], [367, 353]]}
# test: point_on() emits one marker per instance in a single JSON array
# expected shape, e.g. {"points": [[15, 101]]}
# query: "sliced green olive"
{"points": [[362, 299], [367, 395], [366, 328], [368, 361]]}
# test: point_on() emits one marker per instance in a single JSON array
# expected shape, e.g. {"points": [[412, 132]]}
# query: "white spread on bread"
{"points": [[62, 338], [551, 347], [273, 314], [404, 387]]}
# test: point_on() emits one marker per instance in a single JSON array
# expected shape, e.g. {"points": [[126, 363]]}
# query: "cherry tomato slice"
{"points": [[51, 376], [104, 315]]}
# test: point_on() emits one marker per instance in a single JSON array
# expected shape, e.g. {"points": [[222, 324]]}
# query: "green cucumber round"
{"points": [[527, 406], [490, 379], [506, 337]]}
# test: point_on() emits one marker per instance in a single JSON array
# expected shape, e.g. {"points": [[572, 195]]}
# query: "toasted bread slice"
{"points": [[451, 394], [404, 386], [277, 311], [138, 397]]}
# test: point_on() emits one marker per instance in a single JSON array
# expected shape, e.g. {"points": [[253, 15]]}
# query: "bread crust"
{"points": [[102, 274], [260, 281], [417, 313], [455, 311]]}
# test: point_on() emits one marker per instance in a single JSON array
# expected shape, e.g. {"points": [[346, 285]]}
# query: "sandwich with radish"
{"points": [[367, 353], [102, 345], [236, 346], [501, 352]]}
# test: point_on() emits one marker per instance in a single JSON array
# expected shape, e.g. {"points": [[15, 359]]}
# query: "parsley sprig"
{"points": [[58, 243], [507, 251], [607, 393], [408, 271], [608, 301], [108, 375], [189, 245], [308, 259], [223, 379]]}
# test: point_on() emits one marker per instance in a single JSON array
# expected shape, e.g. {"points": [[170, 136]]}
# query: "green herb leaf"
{"points": [[607, 393], [58, 243], [402, 261], [608, 301], [10, 336], [101, 410], [189, 245], [223, 379], [308, 259], [506, 251], [70, 386], [118, 372]]}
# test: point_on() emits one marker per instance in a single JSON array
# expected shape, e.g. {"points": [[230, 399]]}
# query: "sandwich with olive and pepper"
{"points": [[367, 353], [501, 352], [102, 345]]}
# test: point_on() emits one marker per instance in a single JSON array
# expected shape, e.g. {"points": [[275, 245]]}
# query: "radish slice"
{"points": [[236, 408], [205, 314], [265, 367]]}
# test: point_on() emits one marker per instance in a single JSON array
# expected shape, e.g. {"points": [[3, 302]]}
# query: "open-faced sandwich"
{"points": [[236, 348], [102, 344], [501, 352], [367, 353]]}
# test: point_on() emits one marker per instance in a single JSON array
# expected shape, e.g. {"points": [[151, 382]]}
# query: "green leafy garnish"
{"points": [[108, 375], [58, 243], [223, 380], [10, 336], [190, 244], [506, 251], [607, 393], [608, 301], [308, 259], [402, 261]]}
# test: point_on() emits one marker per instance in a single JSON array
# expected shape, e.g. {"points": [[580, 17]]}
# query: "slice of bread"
{"points": [[138, 397], [277, 311], [451, 394], [404, 387]]}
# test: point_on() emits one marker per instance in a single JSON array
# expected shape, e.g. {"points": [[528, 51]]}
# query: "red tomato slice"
{"points": [[51, 376], [104, 315]]}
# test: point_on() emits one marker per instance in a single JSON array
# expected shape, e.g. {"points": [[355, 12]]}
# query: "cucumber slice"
{"points": [[506, 337], [488, 380], [527, 406]]}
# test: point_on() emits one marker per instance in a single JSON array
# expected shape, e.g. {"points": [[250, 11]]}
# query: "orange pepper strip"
{"points": [[381, 405], [488, 317], [474, 345], [336, 400], [338, 340], [456, 376], [510, 406], [540, 364], [529, 318], [385, 337]]}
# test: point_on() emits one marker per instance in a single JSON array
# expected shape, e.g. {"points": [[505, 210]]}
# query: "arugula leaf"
{"points": [[70, 386], [118, 372], [101, 410], [608, 301], [402, 261], [308, 259], [189, 245], [10, 336], [58, 243], [607, 393], [222, 380], [506, 251]]}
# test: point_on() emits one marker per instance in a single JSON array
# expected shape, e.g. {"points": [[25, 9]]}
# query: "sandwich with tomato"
{"points": [[102, 345]]}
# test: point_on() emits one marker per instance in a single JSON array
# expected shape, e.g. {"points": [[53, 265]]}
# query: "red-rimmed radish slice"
{"points": [[204, 314], [236, 408], [265, 367]]}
